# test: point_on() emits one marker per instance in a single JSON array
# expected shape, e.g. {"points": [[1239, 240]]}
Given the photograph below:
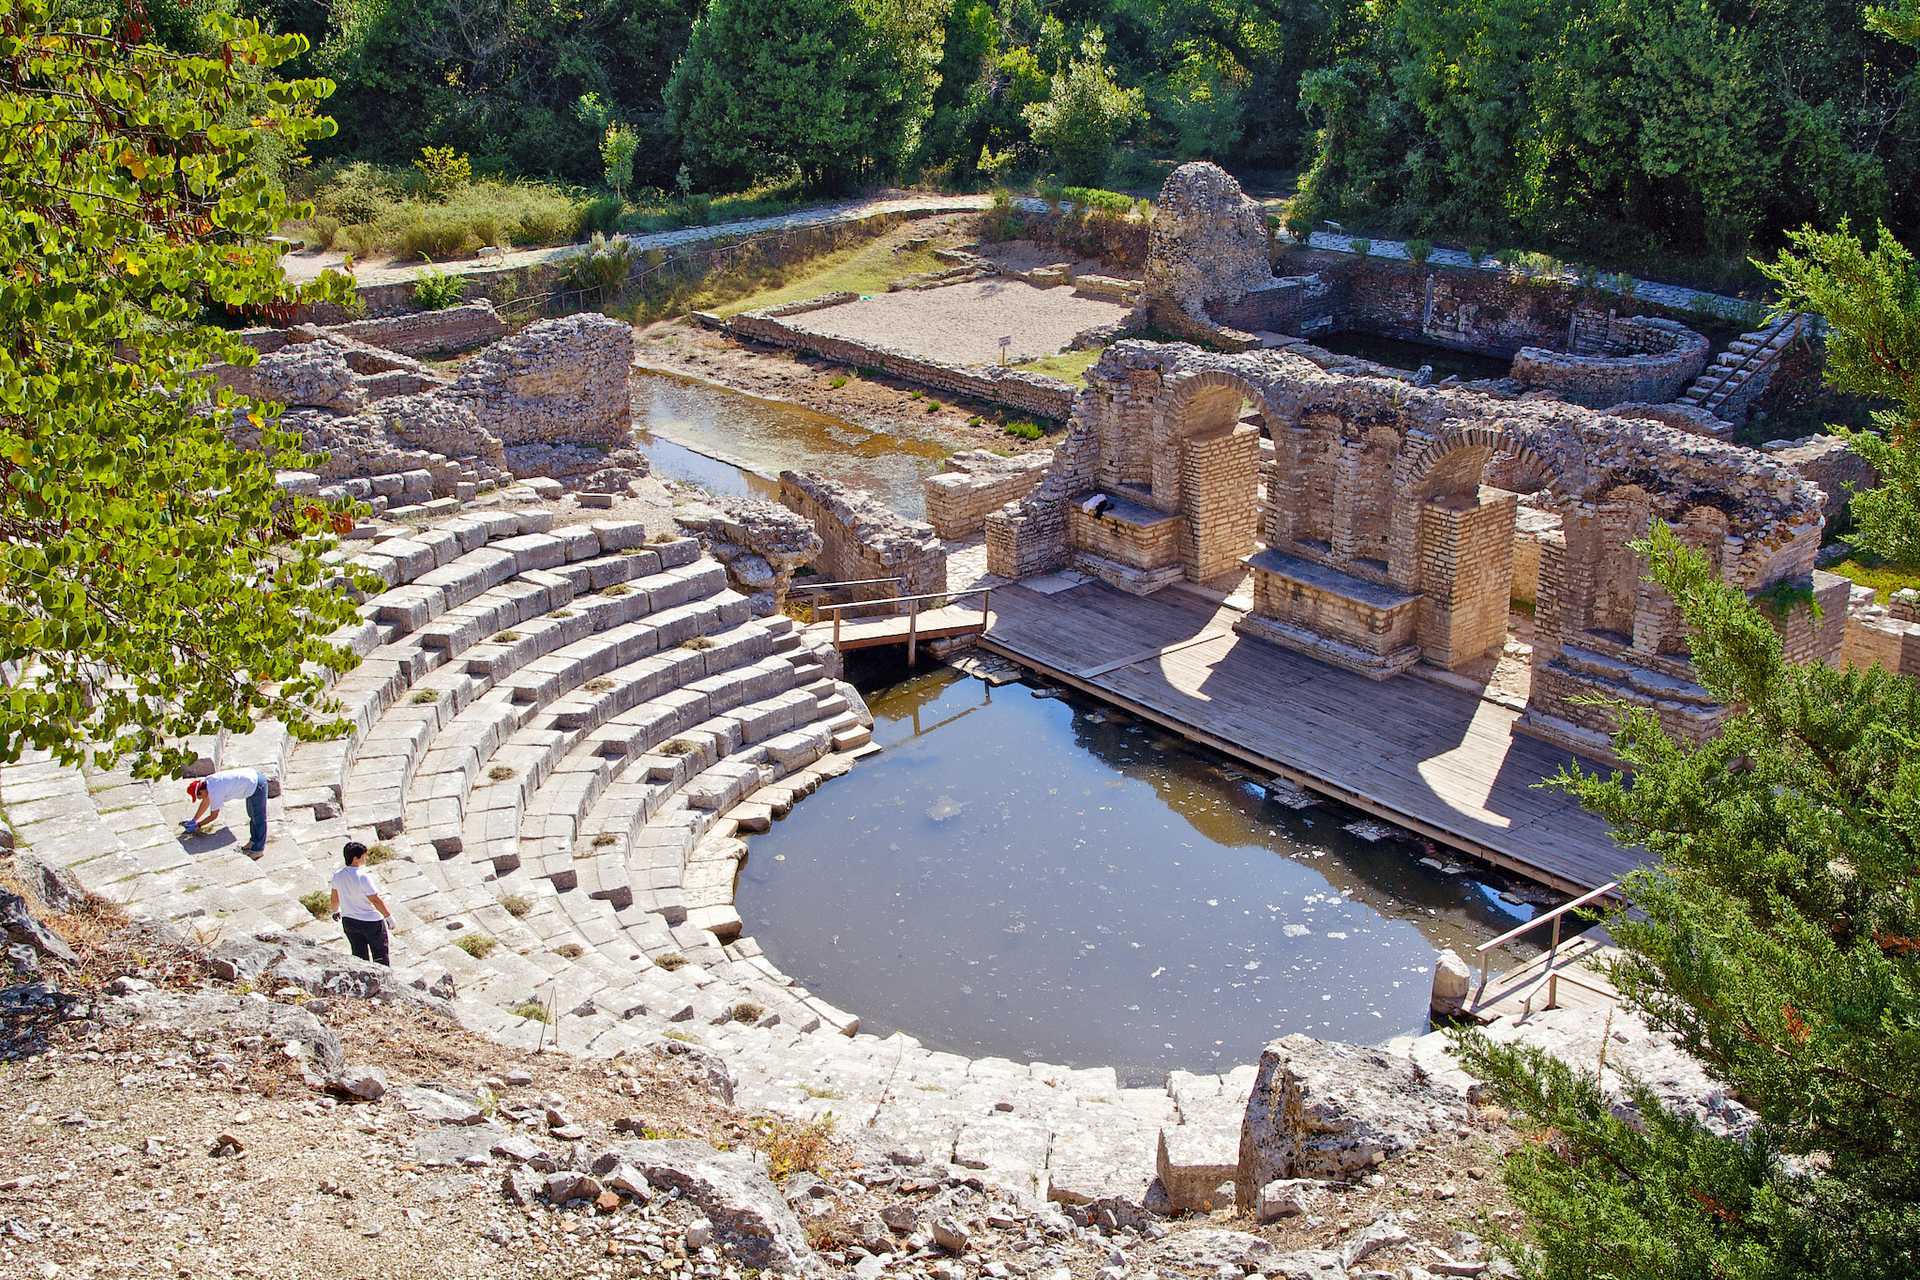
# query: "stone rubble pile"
{"points": [[761, 544]]}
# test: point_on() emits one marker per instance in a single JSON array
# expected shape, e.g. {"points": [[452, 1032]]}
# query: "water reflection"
{"points": [[732, 442], [1044, 879]]}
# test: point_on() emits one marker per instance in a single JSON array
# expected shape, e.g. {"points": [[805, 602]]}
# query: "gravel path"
{"points": [[964, 323]]}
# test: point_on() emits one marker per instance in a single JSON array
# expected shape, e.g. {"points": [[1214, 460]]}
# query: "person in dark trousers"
{"points": [[213, 793], [358, 907]]}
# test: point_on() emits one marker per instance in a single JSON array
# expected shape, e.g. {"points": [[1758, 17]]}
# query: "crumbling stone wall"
{"points": [[417, 333], [1208, 248], [862, 538], [1617, 359], [1032, 393], [959, 500], [1830, 463], [1376, 500], [761, 544], [551, 400]]}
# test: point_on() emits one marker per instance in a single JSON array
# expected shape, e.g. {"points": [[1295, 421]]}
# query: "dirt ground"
{"points": [[966, 323]]}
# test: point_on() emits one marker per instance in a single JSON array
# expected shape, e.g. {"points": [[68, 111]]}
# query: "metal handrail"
{"points": [[1726, 389], [828, 586], [1554, 917], [913, 613]]}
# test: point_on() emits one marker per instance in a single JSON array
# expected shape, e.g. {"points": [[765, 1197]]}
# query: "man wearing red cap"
{"points": [[232, 784]]}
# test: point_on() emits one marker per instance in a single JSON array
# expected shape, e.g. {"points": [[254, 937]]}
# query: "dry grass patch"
{"points": [[531, 1010], [517, 905], [670, 961], [477, 945], [319, 903], [791, 1147]]}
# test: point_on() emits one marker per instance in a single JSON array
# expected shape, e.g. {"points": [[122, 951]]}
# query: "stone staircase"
{"points": [[559, 738], [1728, 387]]}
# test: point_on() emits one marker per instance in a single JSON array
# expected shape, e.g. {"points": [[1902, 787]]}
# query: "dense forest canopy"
{"points": [[1684, 126]]}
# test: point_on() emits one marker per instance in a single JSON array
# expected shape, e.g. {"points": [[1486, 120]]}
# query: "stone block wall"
{"points": [[959, 500], [1029, 393], [861, 538], [1831, 464], [557, 380], [1218, 485], [1466, 570], [1629, 358], [1530, 524], [1127, 534]]}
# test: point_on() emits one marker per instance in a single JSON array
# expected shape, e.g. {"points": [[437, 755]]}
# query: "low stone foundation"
{"points": [[1617, 359], [1335, 617], [959, 501], [1030, 393], [418, 333]]}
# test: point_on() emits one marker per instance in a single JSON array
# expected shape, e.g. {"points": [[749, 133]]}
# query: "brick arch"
{"points": [[1174, 421], [1443, 459]]}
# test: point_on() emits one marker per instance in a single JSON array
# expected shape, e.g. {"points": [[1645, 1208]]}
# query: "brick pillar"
{"points": [[1342, 535], [1217, 475], [1466, 575]]}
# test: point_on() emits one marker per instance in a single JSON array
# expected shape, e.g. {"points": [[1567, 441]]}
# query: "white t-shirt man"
{"points": [[356, 889], [231, 784]]}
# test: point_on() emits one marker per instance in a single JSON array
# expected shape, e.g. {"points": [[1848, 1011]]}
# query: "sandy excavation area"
{"points": [[963, 323]]}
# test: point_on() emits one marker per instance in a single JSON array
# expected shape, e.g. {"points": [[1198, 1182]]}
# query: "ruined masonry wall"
{"points": [[958, 501], [862, 538], [1626, 358], [1030, 393], [420, 333]]}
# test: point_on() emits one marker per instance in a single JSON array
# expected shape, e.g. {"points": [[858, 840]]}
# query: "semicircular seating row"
{"points": [[558, 736]]}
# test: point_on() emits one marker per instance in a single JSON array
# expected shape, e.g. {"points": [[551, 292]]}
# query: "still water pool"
{"points": [[733, 443], [1046, 879]]}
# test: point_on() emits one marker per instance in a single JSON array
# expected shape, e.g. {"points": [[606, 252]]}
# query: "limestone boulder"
{"points": [[747, 1211], [1324, 1110], [1452, 983], [1209, 240]]}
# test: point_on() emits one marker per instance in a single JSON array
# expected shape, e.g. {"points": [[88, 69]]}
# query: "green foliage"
{"points": [[1419, 250], [830, 90], [1002, 221], [154, 582], [443, 170], [1086, 113], [1360, 246], [478, 946], [617, 149], [435, 233], [1632, 128], [1871, 301], [436, 290], [1023, 430], [318, 902], [1778, 939], [600, 268]]}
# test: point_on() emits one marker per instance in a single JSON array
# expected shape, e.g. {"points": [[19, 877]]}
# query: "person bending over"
{"points": [[358, 907], [232, 784]]}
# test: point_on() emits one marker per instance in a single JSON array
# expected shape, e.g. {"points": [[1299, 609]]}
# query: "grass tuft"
{"points": [[517, 905], [531, 1010], [477, 945], [670, 960], [319, 903]]}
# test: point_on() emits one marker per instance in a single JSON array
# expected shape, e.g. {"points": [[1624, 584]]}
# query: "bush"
{"points": [[443, 170], [436, 234], [1001, 221], [1419, 251], [476, 945], [1085, 114], [531, 1010], [1098, 198], [517, 905], [321, 231], [1477, 253], [436, 290], [694, 210], [793, 1148], [600, 269], [319, 903], [1360, 245], [1024, 430], [362, 240], [601, 214], [545, 224], [378, 854]]}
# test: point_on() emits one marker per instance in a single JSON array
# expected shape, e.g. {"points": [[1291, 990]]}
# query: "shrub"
{"points": [[1477, 253], [1299, 226], [421, 697], [746, 1011], [1419, 251], [434, 234], [436, 290], [517, 905], [1001, 221], [321, 231], [362, 240], [1360, 245], [933, 406], [548, 222], [477, 945], [378, 854], [601, 214], [670, 960], [443, 170], [1086, 112], [1098, 198], [694, 210], [837, 381], [600, 269], [319, 903], [531, 1010], [499, 773], [793, 1148], [487, 229], [1024, 430]]}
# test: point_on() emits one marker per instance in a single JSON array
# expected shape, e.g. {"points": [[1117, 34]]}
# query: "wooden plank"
{"points": [[1426, 756]]}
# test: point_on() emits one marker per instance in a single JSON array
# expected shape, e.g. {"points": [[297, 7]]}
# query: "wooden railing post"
{"points": [[913, 631], [836, 626]]}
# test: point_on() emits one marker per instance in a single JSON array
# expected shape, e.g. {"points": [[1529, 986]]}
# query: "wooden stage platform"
{"points": [[1431, 758]]}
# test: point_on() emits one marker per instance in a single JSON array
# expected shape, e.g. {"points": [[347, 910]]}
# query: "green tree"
{"points": [[1870, 298], [618, 145], [829, 90], [154, 581], [1778, 940], [1085, 115]]}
